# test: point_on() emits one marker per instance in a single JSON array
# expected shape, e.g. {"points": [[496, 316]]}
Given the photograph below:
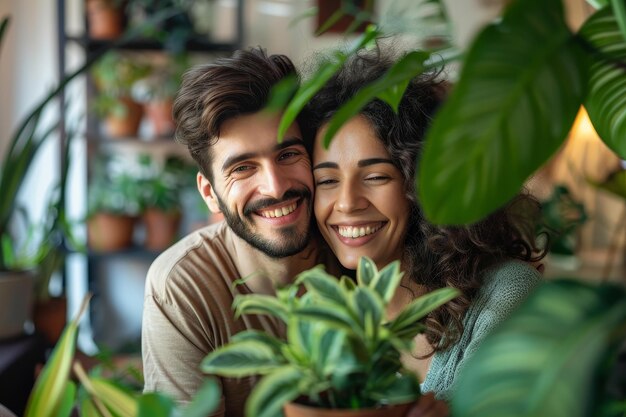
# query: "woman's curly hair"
{"points": [[435, 256]]}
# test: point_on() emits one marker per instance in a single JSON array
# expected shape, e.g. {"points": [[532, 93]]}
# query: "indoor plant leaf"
{"points": [[269, 395], [46, 398], [317, 280], [205, 401], [520, 88], [241, 358], [154, 404], [389, 88], [311, 86], [421, 306], [606, 99], [545, 358], [260, 304]]}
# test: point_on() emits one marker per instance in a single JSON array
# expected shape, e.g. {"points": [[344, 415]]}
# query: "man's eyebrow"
{"points": [[235, 159], [289, 142]]}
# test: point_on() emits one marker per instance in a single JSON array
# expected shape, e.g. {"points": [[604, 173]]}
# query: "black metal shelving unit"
{"points": [[97, 261]]}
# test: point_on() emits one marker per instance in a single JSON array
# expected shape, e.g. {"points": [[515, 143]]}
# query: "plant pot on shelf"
{"points": [[159, 115], [161, 228], [50, 318], [299, 410], [109, 232], [16, 301], [125, 124], [105, 19]]}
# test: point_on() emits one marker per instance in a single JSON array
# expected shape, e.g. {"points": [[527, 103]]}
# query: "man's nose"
{"points": [[350, 198], [274, 182]]}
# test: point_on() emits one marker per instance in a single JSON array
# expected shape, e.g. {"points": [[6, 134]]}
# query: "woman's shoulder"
{"points": [[507, 284], [512, 274]]}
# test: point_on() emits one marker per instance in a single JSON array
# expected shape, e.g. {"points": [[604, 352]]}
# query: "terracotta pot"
{"points": [[299, 410], [161, 228], [128, 125], [159, 115], [50, 318], [104, 19], [110, 232], [16, 301]]}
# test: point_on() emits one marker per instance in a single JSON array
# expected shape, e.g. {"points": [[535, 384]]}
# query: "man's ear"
{"points": [[208, 194]]}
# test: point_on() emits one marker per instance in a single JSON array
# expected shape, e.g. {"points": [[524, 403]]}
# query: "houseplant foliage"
{"points": [[57, 394], [523, 79], [340, 351], [554, 357]]}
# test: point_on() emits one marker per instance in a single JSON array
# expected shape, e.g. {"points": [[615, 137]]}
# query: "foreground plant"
{"points": [[340, 351], [57, 394]]}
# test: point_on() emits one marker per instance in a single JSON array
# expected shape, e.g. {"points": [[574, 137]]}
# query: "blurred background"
{"points": [[138, 175]]}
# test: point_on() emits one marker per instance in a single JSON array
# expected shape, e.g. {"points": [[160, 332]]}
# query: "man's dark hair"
{"points": [[213, 93]]}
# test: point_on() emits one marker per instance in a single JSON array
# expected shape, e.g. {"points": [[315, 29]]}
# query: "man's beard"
{"points": [[290, 241]]}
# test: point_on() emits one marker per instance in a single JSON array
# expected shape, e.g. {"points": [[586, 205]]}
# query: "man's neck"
{"points": [[263, 273]]}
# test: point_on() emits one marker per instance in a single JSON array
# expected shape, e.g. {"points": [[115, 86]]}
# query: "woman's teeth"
{"points": [[357, 231]]}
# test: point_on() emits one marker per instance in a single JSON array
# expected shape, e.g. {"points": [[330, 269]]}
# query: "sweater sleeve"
{"points": [[505, 287]]}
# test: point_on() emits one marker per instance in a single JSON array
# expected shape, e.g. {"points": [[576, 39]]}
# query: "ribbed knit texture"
{"points": [[505, 287]]}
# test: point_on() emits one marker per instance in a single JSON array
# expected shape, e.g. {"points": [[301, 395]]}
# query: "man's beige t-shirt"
{"points": [[188, 313]]}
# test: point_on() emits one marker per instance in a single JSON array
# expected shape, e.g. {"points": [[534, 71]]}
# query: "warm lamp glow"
{"points": [[582, 127]]}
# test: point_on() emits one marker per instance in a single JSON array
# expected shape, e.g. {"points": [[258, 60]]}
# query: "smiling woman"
{"points": [[359, 203], [366, 204]]}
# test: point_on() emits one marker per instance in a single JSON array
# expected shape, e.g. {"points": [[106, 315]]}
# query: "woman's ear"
{"points": [[208, 194]]}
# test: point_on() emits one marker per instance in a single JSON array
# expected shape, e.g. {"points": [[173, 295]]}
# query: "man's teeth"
{"points": [[357, 231], [279, 212]]}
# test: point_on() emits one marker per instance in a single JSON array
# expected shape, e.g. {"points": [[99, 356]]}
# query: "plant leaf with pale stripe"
{"points": [[546, 359], [241, 359], [606, 99], [420, 307], [273, 391]]}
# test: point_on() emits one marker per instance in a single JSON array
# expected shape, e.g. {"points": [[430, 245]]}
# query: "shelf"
{"points": [[131, 252], [193, 45]]}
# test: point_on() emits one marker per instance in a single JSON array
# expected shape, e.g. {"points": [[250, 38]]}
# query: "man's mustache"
{"points": [[267, 202]]}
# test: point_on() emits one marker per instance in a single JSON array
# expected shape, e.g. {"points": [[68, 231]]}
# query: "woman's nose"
{"points": [[350, 199]]}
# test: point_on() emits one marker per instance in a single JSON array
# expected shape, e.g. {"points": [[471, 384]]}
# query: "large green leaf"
{"points": [[545, 359], [273, 391], [606, 99], [239, 359], [519, 90]]}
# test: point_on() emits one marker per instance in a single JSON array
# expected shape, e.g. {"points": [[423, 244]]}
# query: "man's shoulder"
{"points": [[202, 255]]}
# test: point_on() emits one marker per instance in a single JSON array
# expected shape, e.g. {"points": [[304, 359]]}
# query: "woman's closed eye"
{"points": [[325, 181], [379, 178]]}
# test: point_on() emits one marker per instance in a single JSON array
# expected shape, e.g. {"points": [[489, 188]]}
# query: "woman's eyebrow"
{"points": [[372, 161], [326, 165]]}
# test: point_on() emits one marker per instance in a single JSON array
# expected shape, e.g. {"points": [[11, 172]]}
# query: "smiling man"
{"points": [[264, 190]]}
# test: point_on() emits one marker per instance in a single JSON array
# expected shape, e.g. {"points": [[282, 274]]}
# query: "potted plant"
{"points": [[32, 254], [156, 91], [114, 203], [114, 75], [105, 18], [161, 188], [341, 353]]}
